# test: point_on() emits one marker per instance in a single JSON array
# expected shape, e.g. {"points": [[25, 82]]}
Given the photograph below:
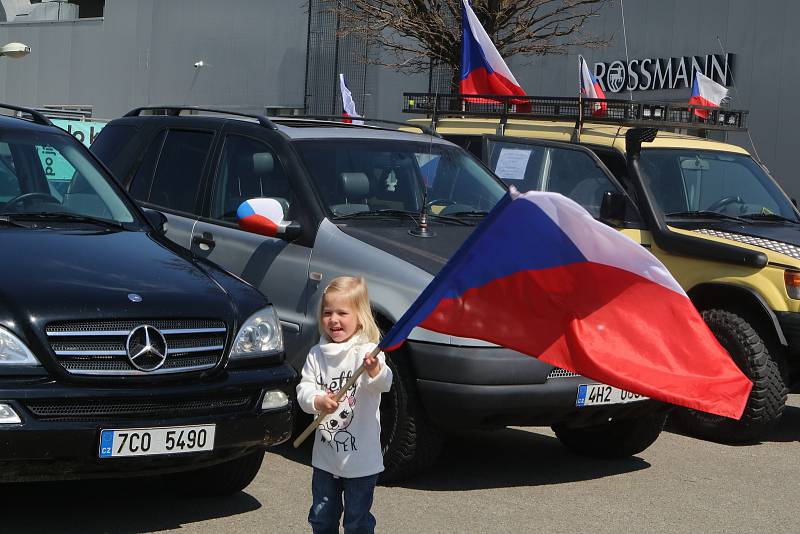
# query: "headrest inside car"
{"points": [[355, 184], [263, 163]]}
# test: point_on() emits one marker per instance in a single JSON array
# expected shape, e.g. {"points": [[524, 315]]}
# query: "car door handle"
{"points": [[205, 241]]}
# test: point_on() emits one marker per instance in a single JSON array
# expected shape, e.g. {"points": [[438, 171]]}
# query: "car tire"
{"points": [[767, 399], [221, 479], [410, 442], [615, 439]]}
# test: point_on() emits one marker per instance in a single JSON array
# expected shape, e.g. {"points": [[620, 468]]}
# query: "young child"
{"points": [[347, 451]]}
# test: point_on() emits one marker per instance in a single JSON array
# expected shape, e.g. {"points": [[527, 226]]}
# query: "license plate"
{"points": [[599, 394], [160, 440]]}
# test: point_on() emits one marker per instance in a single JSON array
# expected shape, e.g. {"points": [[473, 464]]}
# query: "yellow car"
{"points": [[705, 208]]}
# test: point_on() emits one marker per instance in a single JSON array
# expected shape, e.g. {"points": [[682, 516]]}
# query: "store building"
{"points": [[250, 55]]}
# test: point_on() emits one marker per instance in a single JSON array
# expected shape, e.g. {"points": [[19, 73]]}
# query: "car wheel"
{"points": [[410, 442], [220, 479], [614, 439], [768, 397]]}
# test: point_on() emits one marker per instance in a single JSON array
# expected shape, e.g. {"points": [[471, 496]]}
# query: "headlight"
{"points": [[13, 351], [259, 335]]}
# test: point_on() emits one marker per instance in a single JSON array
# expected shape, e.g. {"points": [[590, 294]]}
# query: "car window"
{"points": [[573, 173], [692, 180], [9, 182], [57, 170], [140, 185], [113, 147], [45, 173], [249, 169], [358, 175], [179, 170]]}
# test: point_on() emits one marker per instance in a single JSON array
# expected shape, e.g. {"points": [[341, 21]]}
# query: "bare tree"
{"points": [[418, 33]]}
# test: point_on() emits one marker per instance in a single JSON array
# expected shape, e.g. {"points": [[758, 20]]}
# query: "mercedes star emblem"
{"points": [[133, 297], [146, 348]]}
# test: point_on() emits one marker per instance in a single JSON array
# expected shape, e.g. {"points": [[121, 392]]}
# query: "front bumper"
{"points": [[476, 406], [486, 387], [59, 436]]}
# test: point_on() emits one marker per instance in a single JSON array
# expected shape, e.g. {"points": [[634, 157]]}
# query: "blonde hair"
{"points": [[354, 289]]}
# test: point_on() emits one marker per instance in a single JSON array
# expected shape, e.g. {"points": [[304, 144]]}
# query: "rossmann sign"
{"points": [[650, 74]]}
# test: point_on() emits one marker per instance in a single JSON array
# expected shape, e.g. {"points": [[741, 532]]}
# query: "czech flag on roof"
{"points": [[706, 92], [540, 276], [590, 87], [483, 71]]}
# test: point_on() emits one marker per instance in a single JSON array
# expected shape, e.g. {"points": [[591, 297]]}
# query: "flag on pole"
{"points": [[348, 104], [542, 277], [483, 70], [706, 92], [590, 87]]}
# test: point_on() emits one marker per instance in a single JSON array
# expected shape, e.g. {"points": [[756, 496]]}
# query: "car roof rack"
{"points": [[175, 111], [581, 110], [344, 121], [36, 116]]}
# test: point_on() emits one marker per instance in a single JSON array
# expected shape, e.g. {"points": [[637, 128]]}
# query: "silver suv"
{"points": [[353, 199]]}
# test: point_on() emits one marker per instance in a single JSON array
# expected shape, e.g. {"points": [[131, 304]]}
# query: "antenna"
{"points": [[733, 83], [627, 59], [422, 230]]}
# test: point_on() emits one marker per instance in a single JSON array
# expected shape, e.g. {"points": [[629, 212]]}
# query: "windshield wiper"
{"points": [[769, 217], [5, 219], [69, 217], [413, 215], [705, 214], [470, 213]]}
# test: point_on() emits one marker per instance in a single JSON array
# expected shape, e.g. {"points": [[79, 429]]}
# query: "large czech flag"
{"points": [[483, 71], [706, 92], [544, 278]]}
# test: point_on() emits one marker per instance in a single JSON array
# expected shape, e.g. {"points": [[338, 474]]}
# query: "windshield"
{"points": [[43, 173], [366, 175], [540, 167], [685, 181]]}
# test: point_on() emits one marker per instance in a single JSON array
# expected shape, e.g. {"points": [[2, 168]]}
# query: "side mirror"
{"points": [[157, 220], [264, 216], [613, 206]]}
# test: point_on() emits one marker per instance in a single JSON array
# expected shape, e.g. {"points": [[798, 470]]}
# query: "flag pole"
{"points": [[576, 131], [339, 396]]}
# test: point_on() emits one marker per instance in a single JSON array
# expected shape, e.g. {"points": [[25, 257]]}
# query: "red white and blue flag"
{"points": [[258, 215], [483, 71], [542, 277], [348, 104], [590, 87], [706, 92]]}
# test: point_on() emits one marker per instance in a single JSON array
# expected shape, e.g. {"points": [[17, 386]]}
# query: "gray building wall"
{"points": [[254, 52], [143, 51]]}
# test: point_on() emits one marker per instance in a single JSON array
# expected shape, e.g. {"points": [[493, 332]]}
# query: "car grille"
{"points": [[105, 409], [99, 347]]}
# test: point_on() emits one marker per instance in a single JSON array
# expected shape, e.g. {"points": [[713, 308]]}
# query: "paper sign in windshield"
{"points": [[511, 163]]}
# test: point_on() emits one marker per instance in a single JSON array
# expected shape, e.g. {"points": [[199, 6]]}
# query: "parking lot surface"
{"points": [[514, 480]]}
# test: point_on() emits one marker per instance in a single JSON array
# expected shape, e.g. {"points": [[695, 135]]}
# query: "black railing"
{"points": [[587, 110]]}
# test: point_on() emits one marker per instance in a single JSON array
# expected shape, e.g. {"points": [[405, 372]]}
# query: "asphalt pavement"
{"points": [[512, 480]]}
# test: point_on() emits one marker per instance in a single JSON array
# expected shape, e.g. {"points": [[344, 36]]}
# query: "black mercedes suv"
{"points": [[120, 352]]}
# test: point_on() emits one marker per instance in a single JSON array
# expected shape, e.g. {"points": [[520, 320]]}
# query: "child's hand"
{"points": [[372, 365], [326, 404]]}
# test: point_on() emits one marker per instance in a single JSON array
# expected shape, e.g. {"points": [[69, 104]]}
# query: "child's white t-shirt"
{"points": [[347, 442]]}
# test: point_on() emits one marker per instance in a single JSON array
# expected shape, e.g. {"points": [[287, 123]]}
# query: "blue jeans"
{"points": [[326, 508]]}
